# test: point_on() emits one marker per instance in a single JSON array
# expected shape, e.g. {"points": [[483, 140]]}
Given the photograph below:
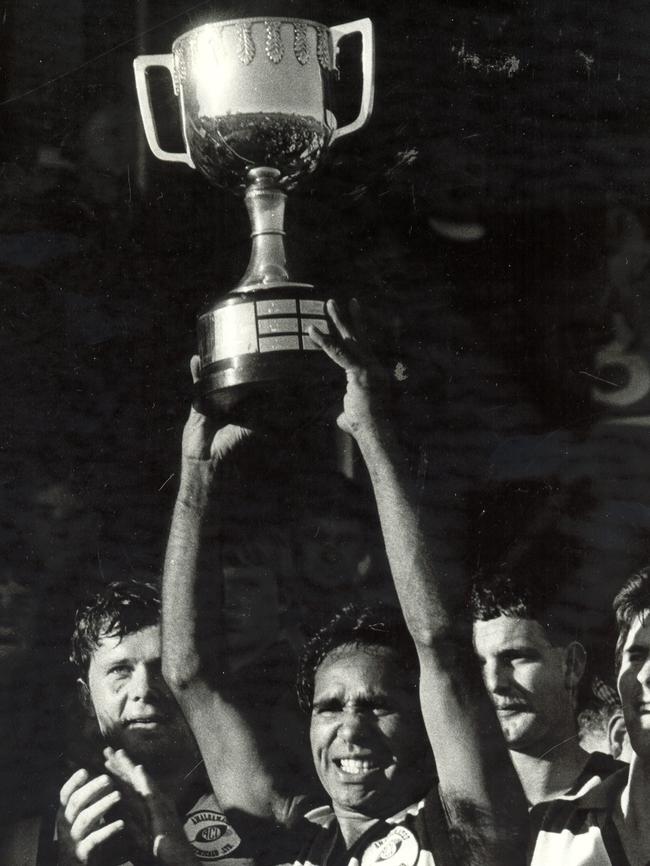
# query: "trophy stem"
{"points": [[265, 204]]}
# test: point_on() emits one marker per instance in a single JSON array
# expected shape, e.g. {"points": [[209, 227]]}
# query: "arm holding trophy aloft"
{"points": [[482, 794], [197, 660], [257, 99]]}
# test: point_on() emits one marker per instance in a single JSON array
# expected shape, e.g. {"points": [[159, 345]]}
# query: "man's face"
{"points": [[367, 737], [526, 677], [634, 685], [135, 710], [332, 552]]}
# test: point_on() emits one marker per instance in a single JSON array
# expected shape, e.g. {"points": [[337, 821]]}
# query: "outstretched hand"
{"points": [[206, 439], [367, 382]]}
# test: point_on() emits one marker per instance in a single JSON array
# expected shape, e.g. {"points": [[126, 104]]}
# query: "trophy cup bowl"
{"points": [[256, 105]]}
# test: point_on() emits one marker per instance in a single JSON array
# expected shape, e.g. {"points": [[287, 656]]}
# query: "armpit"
{"points": [[476, 837]]}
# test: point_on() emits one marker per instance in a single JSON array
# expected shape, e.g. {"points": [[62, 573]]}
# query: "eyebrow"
{"points": [[360, 699], [637, 647], [117, 659], [513, 649]]}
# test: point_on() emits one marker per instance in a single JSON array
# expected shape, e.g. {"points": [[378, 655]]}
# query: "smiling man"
{"points": [[142, 782], [383, 703], [358, 684], [532, 669], [610, 824]]}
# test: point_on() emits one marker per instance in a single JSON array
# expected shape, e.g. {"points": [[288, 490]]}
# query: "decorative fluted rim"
{"points": [[273, 45], [256, 19]]}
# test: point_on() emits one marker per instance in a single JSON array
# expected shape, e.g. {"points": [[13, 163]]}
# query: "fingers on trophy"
{"points": [[256, 105]]}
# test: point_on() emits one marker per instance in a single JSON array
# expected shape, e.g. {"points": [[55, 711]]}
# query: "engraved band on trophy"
{"points": [[255, 103]]}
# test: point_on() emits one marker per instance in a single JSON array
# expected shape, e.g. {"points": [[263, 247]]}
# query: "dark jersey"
{"points": [[417, 836], [32, 841], [598, 767], [580, 832]]}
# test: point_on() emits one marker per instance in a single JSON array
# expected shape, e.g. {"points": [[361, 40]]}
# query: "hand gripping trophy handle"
{"points": [[255, 99]]}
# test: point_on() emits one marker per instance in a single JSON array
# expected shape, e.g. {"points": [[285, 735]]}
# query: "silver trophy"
{"points": [[255, 98]]}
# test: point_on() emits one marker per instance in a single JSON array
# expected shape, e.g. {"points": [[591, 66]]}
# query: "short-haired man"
{"points": [[134, 803], [374, 718], [610, 824], [532, 670]]}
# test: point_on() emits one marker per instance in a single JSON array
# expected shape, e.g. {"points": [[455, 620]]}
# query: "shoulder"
{"points": [[576, 830], [427, 826], [313, 835], [598, 767]]}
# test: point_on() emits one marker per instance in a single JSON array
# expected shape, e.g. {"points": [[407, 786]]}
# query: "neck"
{"points": [[550, 772], [353, 825], [631, 816], [636, 795]]}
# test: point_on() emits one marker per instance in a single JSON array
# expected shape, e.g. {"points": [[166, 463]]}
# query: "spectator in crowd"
{"points": [[147, 793], [602, 726], [338, 556], [374, 718], [610, 823], [532, 668]]}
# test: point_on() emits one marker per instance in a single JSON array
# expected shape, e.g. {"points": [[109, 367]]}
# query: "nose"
{"points": [[643, 675], [354, 726], [145, 683], [496, 676]]}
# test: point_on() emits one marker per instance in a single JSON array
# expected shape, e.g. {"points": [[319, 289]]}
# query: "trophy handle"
{"points": [[140, 66], [364, 27]]}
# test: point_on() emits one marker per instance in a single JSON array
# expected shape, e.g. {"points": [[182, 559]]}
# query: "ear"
{"points": [[616, 733], [575, 660], [84, 697]]}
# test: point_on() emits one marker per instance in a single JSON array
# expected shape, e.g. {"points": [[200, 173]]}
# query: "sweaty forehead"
{"points": [[508, 632], [361, 670], [140, 645]]}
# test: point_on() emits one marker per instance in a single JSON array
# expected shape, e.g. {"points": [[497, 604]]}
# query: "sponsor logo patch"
{"points": [[210, 834], [399, 848]]}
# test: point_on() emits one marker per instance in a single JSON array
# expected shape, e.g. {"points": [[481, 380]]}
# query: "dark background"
{"points": [[492, 219]]}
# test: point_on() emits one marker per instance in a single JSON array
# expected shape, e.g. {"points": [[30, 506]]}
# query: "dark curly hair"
{"points": [[632, 600], [521, 598], [364, 626], [120, 608]]}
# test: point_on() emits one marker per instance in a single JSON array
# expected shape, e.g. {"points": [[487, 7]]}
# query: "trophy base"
{"points": [[259, 368]]}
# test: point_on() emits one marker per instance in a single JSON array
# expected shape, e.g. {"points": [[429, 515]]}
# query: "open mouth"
{"points": [[357, 766]]}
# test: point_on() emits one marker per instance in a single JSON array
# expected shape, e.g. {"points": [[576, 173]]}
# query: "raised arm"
{"points": [[240, 763], [479, 785]]}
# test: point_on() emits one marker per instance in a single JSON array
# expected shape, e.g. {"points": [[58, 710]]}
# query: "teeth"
{"points": [[356, 766]]}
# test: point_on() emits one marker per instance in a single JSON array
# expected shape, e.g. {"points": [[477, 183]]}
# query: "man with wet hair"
{"points": [[141, 792], [404, 739], [610, 824], [378, 625], [532, 668]]}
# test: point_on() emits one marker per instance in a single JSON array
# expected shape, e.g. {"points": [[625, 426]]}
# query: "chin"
{"points": [[141, 746], [640, 742]]}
